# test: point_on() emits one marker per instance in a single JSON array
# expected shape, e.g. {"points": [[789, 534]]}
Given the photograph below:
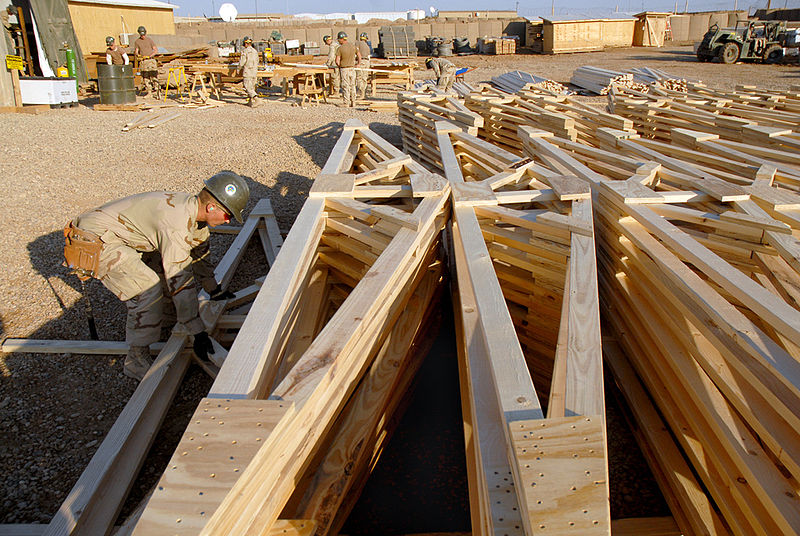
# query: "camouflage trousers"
{"points": [[336, 82], [447, 78], [361, 79], [349, 85], [149, 68], [125, 272], [250, 86]]}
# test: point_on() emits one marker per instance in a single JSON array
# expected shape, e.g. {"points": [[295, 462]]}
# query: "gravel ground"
{"points": [[56, 409]]}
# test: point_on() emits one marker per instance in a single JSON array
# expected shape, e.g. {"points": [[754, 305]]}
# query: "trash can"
{"points": [[115, 83]]}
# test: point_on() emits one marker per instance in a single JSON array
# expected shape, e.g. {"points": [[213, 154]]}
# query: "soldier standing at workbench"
{"points": [[331, 63], [347, 57], [248, 66], [363, 73], [145, 49], [108, 242]]}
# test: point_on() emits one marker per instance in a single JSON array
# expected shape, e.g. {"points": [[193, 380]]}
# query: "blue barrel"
{"points": [[115, 83]]}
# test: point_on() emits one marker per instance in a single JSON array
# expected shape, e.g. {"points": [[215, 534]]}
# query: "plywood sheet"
{"points": [[564, 475], [221, 439]]}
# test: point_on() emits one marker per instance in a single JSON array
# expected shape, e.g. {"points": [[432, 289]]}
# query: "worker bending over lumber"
{"points": [[444, 70], [107, 243]]}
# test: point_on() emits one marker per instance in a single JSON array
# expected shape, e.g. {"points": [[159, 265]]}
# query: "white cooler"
{"points": [[39, 90]]}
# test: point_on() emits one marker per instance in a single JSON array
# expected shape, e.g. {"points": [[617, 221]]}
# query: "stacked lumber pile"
{"points": [[502, 115], [497, 45], [699, 272], [731, 115], [418, 113], [528, 334], [514, 81], [563, 115], [304, 402], [600, 81], [657, 77]]}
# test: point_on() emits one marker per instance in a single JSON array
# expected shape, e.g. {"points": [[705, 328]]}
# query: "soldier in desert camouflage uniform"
{"points": [[248, 65], [176, 225]]}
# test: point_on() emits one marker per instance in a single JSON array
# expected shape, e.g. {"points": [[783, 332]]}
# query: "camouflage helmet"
{"points": [[230, 190], [363, 36], [141, 30], [109, 41], [341, 35]]}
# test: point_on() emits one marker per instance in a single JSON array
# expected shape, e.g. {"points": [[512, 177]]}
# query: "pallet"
{"points": [[117, 107]]}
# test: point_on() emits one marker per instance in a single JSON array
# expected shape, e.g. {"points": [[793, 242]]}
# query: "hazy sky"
{"points": [[526, 8]]}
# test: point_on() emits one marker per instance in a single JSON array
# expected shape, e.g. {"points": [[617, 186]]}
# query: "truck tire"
{"points": [[729, 53], [773, 54]]}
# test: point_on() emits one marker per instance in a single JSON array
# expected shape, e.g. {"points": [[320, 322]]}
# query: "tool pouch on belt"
{"points": [[81, 251]]}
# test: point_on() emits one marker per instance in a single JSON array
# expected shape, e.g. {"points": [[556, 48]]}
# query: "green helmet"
{"points": [[341, 35], [141, 30], [230, 190], [429, 62], [109, 41], [247, 39], [326, 38], [363, 36]]}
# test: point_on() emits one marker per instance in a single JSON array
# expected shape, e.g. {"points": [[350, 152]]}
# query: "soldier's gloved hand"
{"points": [[202, 345], [219, 294]]}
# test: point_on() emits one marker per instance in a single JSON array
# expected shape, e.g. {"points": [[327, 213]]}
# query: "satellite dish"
{"points": [[228, 12]]}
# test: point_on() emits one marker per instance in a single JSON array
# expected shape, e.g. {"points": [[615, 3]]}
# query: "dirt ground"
{"points": [[56, 409]]}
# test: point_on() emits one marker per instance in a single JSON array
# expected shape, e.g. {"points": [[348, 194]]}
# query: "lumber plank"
{"points": [[41, 346], [247, 365], [94, 501]]}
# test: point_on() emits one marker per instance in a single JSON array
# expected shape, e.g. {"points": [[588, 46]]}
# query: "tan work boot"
{"points": [[137, 362]]}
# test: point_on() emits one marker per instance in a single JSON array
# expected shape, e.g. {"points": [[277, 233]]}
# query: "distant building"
{"points": [[94, 20]]}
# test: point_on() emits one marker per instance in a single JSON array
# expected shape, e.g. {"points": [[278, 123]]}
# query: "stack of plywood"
{"points": [[418, 114], [528, 333], [299, 411]]}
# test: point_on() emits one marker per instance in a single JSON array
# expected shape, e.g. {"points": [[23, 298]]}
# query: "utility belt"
{"points": [[81, 251]]}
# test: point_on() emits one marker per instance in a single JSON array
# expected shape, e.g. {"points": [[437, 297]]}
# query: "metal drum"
{"points": [[115, 83]]}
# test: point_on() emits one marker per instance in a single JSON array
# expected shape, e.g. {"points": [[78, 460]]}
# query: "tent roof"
{"points": [[132, 3]]}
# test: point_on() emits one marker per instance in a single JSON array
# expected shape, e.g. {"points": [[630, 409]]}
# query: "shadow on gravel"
{"points": [[671, 55], [319, 142]]}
